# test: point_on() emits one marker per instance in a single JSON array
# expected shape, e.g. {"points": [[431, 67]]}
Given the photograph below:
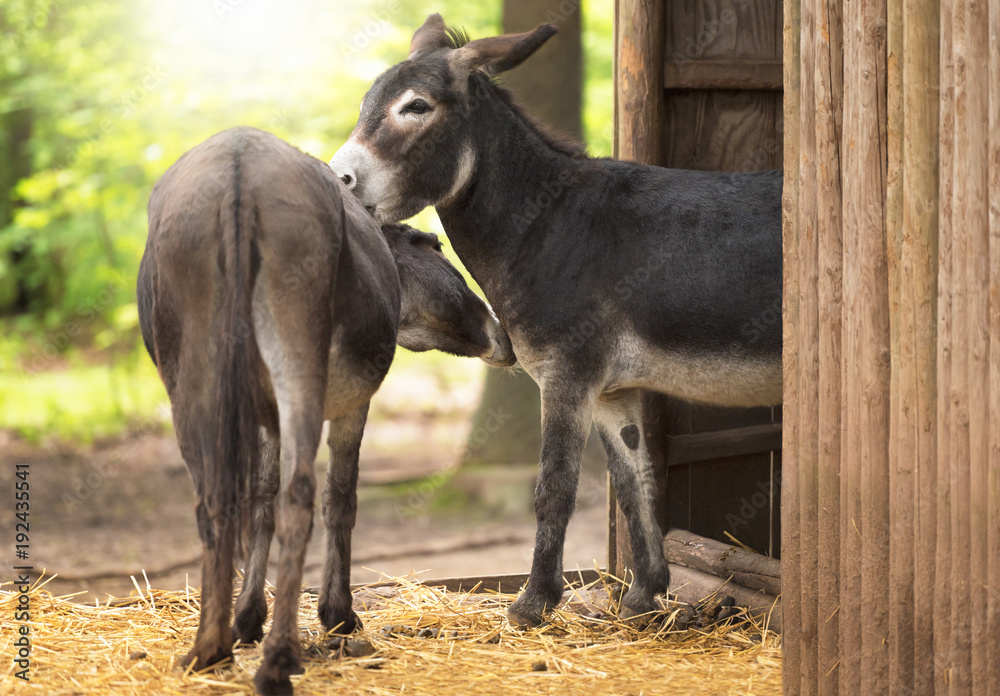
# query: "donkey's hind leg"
{"points": [[294, 345], [619, 424], [566, 413], [196, 434], [301, 416], [340, 508], [251, 606]]}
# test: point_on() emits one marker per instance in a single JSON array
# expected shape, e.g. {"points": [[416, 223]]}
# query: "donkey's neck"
{"points": [[520, 178]]}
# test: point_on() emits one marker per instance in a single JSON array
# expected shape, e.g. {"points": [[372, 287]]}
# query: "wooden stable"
{"points": [[699, 86], [891, 495], [885, 115]]}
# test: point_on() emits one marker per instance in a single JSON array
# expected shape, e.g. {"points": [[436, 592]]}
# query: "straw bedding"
{"points": [[417, 640]]}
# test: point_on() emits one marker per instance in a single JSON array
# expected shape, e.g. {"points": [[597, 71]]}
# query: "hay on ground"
{"points": [[421, 640]]}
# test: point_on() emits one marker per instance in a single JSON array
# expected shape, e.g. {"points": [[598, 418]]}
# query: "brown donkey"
{"points": [[270, 302]]}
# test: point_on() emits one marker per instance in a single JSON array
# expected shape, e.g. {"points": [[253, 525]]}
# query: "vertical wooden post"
{"points": [[943, 502], [808, 353], [960, 663], [901, 513], [866, 350], [639, 47], [639, 122], [791, 587], [914, 440], [829, 91], [992, 636]]}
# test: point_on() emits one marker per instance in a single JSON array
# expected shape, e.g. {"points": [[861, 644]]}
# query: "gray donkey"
{"points": [[270, 301], [610, 277]]}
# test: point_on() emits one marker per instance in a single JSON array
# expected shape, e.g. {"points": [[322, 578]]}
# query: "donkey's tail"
{"points": [[236, 458]]}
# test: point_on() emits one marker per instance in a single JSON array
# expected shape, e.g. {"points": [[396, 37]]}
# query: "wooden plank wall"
{"points": [[719, 108], [891, 493]]}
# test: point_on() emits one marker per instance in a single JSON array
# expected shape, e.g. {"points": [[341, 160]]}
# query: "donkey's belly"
{"points": [[723, 380]]}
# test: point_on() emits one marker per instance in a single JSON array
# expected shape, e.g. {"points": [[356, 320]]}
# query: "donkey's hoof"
{"points": [[247, 633], [528, 610], [248, 626], [272, 677], [199, 660], [339, 622], [268, 685], [634, 617], [637, 605]]}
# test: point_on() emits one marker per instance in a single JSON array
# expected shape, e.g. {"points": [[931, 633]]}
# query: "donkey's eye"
{"points": [[417, 106]]}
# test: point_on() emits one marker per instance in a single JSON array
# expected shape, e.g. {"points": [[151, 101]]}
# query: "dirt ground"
{"points": [[102, 514]]}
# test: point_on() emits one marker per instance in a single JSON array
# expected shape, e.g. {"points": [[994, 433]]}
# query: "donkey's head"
{"points": [[439, 311], [412, 145]]}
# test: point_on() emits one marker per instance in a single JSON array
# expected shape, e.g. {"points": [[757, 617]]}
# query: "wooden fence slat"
{"points": [[901, 462], [960, 663], [975, 216], [946, 230], [808, 356], [915, 367], [790, 577], [829, 96], [992, 636], [866, 345]]}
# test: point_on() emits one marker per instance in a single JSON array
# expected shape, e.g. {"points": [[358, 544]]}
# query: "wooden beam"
{"points": [[746, 568], [691, 585], [685, 449], [504, 584], [722, 74]]}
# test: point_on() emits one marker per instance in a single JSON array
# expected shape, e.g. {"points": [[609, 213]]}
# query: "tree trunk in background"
{"points": [[506, 427], [550, 83], [15, 165]]}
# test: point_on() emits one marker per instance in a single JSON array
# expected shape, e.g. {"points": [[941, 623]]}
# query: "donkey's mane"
{"points": [[563, 144], [457, 36]]}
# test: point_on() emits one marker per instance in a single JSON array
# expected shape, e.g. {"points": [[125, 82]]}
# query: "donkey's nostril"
{"points": [[348, 180]]}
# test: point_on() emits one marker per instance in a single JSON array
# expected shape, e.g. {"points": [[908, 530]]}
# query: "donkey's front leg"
{"points": [[340, 508], [619, 423], [251, 606], [566, 411]]}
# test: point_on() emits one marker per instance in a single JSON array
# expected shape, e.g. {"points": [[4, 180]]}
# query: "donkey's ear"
{"points": [[497, 54], [430, 36]]}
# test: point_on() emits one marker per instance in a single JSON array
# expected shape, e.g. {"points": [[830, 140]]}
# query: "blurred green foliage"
{"points": [[99, 97]]}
